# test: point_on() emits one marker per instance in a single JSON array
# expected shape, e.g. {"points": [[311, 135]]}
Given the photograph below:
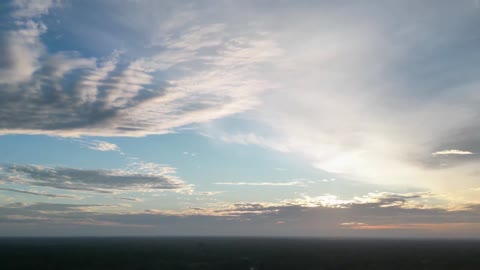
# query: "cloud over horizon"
{"points": [[294, 218]]}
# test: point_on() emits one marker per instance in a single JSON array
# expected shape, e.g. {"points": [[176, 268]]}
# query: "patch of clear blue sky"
{"points": [[224, 161], [48, 150]]}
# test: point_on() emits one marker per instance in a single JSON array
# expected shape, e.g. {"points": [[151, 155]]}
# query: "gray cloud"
{"points": [[37, 193], [52, 215], [102, 181]]}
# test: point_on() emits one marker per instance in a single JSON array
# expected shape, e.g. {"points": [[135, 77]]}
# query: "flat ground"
{"points": [[235, 253]]}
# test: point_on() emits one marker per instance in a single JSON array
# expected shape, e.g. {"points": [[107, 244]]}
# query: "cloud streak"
{"points": [[129, 199], [293, 183], [37, 193], [452, 152], [150, 179]]}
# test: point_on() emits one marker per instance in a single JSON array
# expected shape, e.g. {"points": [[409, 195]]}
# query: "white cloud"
{"points": [[208, 193], [293, 183], [21, 50], [380, 199], [452, 152], [98, 145], [250, 138], [88, 88], [103, 146], [33, 8], [192, 154]]}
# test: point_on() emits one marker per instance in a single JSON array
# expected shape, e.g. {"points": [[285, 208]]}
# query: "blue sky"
{"points": [[305, 118]]}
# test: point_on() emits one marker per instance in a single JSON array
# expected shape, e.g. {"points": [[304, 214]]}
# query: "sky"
{"points": [[242, 118]]}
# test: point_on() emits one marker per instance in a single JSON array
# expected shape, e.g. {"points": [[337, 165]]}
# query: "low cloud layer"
{"points": [[348, 99], [378, 215]]}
